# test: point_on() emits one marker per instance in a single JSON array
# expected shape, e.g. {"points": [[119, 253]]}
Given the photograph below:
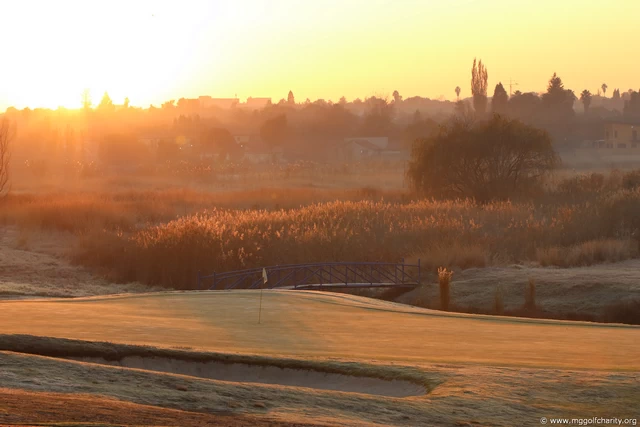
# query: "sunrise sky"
{"points": [[153, 51]]}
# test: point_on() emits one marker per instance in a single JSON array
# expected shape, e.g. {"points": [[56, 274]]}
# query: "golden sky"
{"points": [[153, 51]]}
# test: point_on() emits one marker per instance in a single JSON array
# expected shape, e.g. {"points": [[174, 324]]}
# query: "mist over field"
{"points": [[319, 213]]}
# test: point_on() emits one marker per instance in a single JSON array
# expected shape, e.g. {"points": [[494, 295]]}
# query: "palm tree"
{"points": [[458, 92], [585, 97], [604, 89]]}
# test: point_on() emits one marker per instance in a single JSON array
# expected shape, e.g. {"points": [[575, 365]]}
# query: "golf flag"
{"points": [[264, 276]]}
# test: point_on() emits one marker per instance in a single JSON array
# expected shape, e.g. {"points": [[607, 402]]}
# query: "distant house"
{"points": [[208, 102], [622, 134], [257, 103], [367, 148]]}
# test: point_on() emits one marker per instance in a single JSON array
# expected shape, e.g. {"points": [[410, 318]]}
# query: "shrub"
{"points": [[627, 312], [580, 184], [494, 160], [444, 280], [631, 180]]}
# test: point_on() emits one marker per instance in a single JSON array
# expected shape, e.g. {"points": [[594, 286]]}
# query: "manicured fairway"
{"points": [[318, 325]]}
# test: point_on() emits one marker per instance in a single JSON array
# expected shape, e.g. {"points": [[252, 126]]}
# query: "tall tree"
{"points": [[616, 94], [378, 119], [479, 77], [585, 97], [458, 92], [106, 104], [632, 106], [274, 131], [86, 99], [500, 100], [126, 103], [396, 97], [557, 109], [290, 99], [604, 89]]}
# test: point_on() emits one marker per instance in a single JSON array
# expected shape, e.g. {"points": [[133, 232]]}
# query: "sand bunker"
{"points": [[240, 372]]}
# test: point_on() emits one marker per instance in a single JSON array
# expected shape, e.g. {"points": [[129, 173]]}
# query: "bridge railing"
{"points": [[329, 273]]}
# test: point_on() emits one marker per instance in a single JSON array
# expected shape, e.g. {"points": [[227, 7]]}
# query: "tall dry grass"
{"points": [[221, 239], [127, 210], [165, 237], [444, 284]]}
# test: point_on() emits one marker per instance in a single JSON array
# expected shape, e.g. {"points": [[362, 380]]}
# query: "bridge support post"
{"points": [[371, 275], [419, 272], [214, 280]]}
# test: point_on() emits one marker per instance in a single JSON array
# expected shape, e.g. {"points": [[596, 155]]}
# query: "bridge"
{"points": [[328, 275]]}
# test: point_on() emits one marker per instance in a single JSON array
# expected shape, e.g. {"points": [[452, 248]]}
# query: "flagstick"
{"points": [[260, 311]]}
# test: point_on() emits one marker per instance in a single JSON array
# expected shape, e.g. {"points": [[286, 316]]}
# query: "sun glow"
{"points": [[154, 51], [141, 50]]}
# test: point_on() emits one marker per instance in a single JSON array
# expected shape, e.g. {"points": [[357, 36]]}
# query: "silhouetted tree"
{"points": [[169, 105], [585, 97], [396, 97], [106, 104], [500, 100], [557, 108], [616, 94], [632, 106], [222, 142], [290, 99], [496, 159], [419, 128], [274, 131], [479, 77], [525, 106], [378, 117], [458, 92], [604, 89], [463, 111]]}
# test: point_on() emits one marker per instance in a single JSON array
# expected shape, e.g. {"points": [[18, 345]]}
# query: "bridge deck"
{"points": [[349, 285], [317, 275]]}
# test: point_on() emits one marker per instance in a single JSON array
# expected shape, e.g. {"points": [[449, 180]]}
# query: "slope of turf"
{"points": [[315, 325]]}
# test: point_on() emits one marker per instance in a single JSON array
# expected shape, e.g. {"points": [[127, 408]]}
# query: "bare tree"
{"points": [[6, 135]]}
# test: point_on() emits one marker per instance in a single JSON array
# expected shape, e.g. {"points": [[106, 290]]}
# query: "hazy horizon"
{"points": [[152, 52]]}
